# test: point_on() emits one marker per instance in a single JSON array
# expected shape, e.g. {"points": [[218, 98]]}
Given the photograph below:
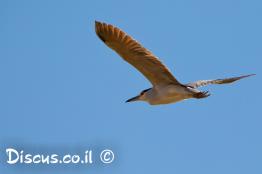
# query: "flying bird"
{"points": [[166, 88]]}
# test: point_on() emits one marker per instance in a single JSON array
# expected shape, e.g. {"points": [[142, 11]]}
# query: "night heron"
{"points": [[166, 88]]}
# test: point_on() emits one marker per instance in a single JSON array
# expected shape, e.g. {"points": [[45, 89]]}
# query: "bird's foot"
{"points": [[203, 94]]}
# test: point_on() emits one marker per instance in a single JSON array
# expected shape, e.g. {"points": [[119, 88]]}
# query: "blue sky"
{"points": [[62, 90]]}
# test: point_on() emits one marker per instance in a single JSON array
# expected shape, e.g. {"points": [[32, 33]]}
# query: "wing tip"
{"points": [[249, 75], [97, 23], [98, 26]]}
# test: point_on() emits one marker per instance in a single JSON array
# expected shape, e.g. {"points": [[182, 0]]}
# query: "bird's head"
{"points": [[140, 97]]}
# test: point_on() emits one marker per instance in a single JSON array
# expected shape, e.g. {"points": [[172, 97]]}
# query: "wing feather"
{"points": [[201, 83], [135, 54]]}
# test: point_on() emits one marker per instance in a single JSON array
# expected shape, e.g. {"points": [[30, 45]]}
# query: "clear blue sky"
{"points": [[63, 90]]}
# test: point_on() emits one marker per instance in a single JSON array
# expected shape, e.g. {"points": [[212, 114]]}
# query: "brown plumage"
{"points": [[135, 54]]}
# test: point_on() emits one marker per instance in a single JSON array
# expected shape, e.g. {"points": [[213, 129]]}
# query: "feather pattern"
{"points": [[135, 54]]}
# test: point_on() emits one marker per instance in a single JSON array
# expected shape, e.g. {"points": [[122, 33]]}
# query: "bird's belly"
{"points": [[168, 99], [171, 95]]}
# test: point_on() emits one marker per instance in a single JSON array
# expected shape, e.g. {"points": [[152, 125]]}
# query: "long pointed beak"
{"points": [[136, 98]]}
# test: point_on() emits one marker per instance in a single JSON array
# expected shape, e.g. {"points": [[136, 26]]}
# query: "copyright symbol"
{"points": [[107, 156]]}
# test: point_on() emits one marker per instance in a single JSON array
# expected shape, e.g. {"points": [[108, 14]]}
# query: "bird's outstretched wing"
{"points": [[135, 54], [201, 83]]}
